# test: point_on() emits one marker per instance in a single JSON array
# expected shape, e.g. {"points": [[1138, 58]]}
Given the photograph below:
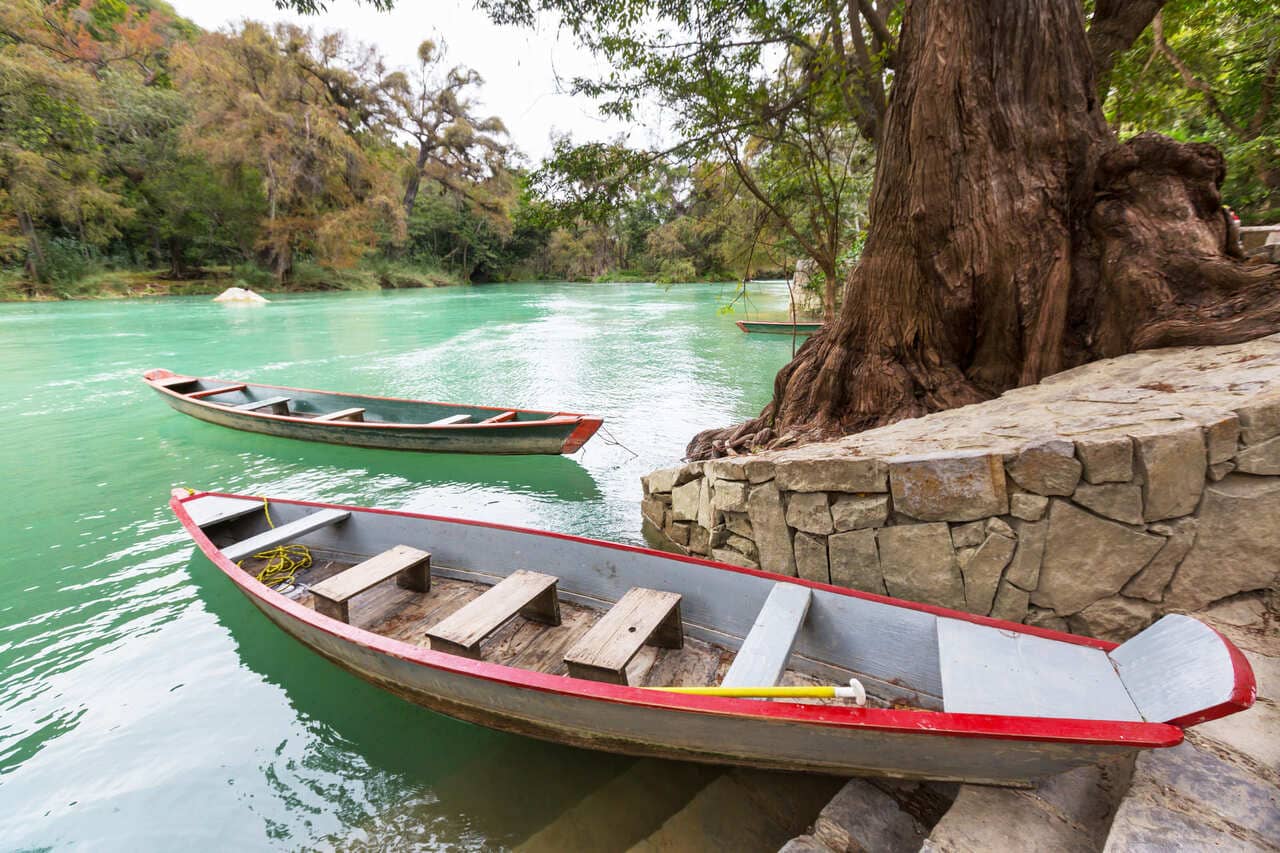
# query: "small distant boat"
{"points": [[629, 650], [363, 421], [765, 327]]}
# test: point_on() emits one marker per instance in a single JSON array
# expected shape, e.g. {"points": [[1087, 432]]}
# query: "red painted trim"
{"points": [[1139, 735], [742, 324], [1244, 689], [552, 419], [586, 428]]}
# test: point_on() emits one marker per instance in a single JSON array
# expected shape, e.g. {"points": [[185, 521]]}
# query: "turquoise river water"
{"points": [[144, 704]]}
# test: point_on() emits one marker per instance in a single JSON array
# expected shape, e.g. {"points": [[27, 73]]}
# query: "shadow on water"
{"points": [[539, 476], [461, 774]]}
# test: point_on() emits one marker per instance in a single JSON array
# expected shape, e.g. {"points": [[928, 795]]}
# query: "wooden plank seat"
{"points": [[175, 381], [641, 616], [988, 671], [410, 566], [355, 414], [497, 419], [765, 651], [213, 392], [277, 405], [212, 509], [284, 533], [529, 594], [452, 419]]}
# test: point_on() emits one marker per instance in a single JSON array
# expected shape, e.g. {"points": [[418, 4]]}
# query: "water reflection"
{"points": [[400, 774], [543, 476]]}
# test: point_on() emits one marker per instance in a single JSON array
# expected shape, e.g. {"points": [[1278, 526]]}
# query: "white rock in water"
{"points": [[238, 294]]}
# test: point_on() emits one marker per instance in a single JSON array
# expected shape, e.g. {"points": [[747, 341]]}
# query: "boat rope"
{"points": [[854, 691], [608, 438], [283, 561]]}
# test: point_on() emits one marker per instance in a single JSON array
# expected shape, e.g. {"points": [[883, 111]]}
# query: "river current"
{"points": [[144, 704]]}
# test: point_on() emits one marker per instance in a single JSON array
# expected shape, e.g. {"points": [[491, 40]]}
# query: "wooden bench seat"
{"points": [[530, 594], [452, 419], [497, 419], [284, 533], [277, 405], [411, 568], [175, 381], [641, 616], [213, 392], [765, 651], [356, 414]]}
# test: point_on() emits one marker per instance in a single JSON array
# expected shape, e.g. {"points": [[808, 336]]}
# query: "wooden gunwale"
{"points": [[917, 722]]}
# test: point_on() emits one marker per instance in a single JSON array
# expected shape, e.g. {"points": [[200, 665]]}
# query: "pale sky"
{"points": [[520, 67]]}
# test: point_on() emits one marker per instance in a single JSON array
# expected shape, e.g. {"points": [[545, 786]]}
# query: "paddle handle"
{"points": [[854, 691]]}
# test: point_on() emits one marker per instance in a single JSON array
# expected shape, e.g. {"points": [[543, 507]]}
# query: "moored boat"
{"points": [[365, 421], [581, 642], [767, 327]]}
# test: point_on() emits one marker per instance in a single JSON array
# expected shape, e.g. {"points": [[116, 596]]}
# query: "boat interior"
{"points": [[565, 606], [325, 406]]}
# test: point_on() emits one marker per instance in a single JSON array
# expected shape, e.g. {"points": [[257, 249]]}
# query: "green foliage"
{"points": [[1208, 72]]}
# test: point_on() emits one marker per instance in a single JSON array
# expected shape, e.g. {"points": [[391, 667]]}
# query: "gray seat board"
{"points": [[269, 402], [989, 671], [284, 533], [452, 419], [1174, 668], [211, 509], [355, 413], [765, 651]]}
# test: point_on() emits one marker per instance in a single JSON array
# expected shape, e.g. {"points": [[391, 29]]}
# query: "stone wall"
{"points": [[1095, 501]]}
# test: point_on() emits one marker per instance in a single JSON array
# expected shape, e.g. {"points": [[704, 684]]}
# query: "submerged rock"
{"points": [[239, 294]]}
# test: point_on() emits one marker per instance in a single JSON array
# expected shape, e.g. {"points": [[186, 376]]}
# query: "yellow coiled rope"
{"points": [[283, 561]]}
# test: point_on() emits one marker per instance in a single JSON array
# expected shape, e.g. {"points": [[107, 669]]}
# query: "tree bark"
{"points": [[415, 180], [35, 253], [1011, 235]]}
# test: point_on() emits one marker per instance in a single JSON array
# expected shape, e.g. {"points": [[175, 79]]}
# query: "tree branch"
{"points": [[1192, 82], [1115, 26]]}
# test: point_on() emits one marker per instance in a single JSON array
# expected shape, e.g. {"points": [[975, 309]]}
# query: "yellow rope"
{"points": [[283, 562]]}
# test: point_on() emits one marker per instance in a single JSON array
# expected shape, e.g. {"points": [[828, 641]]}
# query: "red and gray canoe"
{"points": [[769, 327], [578, 641], [360, 420]]}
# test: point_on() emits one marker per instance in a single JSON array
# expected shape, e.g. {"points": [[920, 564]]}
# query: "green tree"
{"points": [[279, 104], [1210, 72]]}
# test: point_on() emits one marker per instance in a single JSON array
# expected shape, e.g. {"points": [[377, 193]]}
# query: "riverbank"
{"points": [[307, 278]]}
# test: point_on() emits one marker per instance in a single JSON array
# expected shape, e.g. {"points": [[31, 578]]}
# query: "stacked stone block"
{"points": [[1095, 501]]}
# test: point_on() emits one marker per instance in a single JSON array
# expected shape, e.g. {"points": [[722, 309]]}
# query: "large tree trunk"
{"points": [[1011, 235]]}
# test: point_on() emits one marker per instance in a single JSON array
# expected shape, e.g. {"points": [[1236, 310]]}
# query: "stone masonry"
{"points": [[1094, 501]]}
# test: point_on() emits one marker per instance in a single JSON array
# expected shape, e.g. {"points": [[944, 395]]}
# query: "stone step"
{"points": [[1192, 798], [744, 811], [1068, 813], [624, 810], [862, 816], [1220, 789]]}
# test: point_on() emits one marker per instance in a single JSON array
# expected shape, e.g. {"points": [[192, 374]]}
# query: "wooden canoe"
{"points": [[951, 695], [359, 420], [765, 327]]}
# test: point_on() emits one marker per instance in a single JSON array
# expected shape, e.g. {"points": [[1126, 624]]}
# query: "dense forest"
{"points": [[141, 154]]}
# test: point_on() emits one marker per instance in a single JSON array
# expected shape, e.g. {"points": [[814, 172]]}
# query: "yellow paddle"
{"points": [[854, 691]]}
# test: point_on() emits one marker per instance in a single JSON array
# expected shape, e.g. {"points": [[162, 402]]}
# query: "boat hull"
{"points": [[678, 734], [763, 327], [841, 740], [553, 433], [531, 438]]}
